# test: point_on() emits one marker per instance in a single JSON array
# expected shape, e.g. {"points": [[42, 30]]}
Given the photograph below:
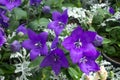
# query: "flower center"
{"points": [[78, 44], [61, 24], [56, 57], [83, 60], [38, 44]]}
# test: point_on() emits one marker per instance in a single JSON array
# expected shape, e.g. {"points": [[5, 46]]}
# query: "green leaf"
{"points": [[73, 73], [6, 55], [100, 16], [118, 3], [68, 5], [110, 50], [39, 23], [36, 62], [111, 28], [91, 28], [106, 41], [1, 72], [19, 14], [13, 25], [17, 37], [6, 68], [54, 3], [118, 44], [43, 22]]}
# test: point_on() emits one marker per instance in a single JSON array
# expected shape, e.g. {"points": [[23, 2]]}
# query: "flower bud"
{"points": [[21, 30], [46, 9], [98, 40], [111, 10], [15, 46]]}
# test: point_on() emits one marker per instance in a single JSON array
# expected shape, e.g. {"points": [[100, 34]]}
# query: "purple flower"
{"points": [[79, 43], [10, 4], [21, 29], [46, 9], [15, 46], [111, 10], [2, 37], [36, 43], [3, 19], [56, 59], [35, 2], [98, 40], [59, 21]]}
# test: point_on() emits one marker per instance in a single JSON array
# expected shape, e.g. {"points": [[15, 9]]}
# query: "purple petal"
{"points": [[44, 50], [32, 35], [5, 18], [62, 59], [2, 40], [10, 5], [76, 55], [56, 59], [56, 68], [48, 61], [56, 15], [56, 26], [89, 36], [77, 33], [35, 2], [90, 51], [64, 17], [2, 32], [68, 43], [55, 43], [28, 44], [34, 53], [3, 24], [89, 66], [42, 37], [64, 62]]}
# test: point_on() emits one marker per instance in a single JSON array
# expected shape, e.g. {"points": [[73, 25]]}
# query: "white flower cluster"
{"points": [[61, 76], [97, 6], [84, 15], [76, 12], [117, 15]]}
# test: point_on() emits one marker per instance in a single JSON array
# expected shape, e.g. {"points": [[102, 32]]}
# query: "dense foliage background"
{"points": [[93, 15]]}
